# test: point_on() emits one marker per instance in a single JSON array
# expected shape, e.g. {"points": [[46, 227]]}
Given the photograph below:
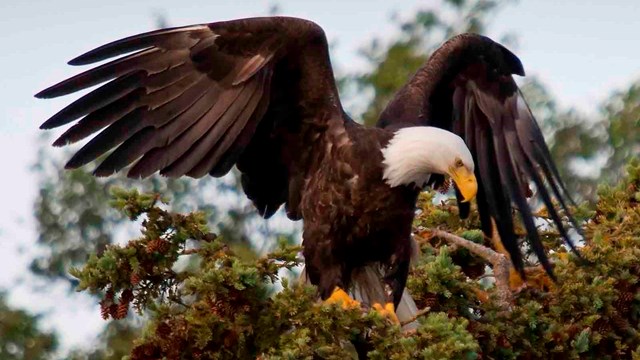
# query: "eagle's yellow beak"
{"points": [[465, 181]]}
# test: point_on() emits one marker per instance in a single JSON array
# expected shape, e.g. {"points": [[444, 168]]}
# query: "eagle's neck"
{"points": [[413, 154]]}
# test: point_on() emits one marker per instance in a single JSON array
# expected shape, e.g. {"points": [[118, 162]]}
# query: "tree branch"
{"points": [[500, 263], [416, 316]]}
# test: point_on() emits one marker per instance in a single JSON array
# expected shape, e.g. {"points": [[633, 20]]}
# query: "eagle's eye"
{"points": [[459, 163]]}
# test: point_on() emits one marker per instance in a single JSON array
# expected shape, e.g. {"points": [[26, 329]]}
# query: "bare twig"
{"points": [[189, 251], [416, 316]]}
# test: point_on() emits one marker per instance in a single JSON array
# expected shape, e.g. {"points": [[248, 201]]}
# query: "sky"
{"points": [[582, 50]]}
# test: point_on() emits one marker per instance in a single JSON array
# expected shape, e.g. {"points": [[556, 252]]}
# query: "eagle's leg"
{"points": [[326, 272], [395, 280], [332, 289]]}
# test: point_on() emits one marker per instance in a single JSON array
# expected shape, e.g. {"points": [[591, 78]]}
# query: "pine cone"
{"points": [[430, 300], [623, 304], [104, 311], [153, 245], [145, 351], [164, 246], [122, 311], [619, 323], [106, 303], [135, 279], [601, 326], [626, 294]]}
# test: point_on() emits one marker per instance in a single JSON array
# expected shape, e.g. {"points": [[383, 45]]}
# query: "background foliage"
{"points": [[20, 336], [592, 313]]}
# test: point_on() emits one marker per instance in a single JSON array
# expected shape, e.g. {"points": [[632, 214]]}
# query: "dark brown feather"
{"points": [[232, 155], [95, 100], [100, 118], [227, 133], [218, 120], [108, 138], [114, 69], [175, 114], [136, 120], [164, 38], [174, 103], [179, 150], [169, 143]]}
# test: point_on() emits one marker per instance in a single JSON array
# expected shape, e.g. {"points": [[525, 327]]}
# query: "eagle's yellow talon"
{"points": [[388, 311], [339, 296]]}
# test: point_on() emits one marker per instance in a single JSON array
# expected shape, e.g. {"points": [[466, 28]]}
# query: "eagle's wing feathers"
{"points": [[467, 87], [191, 100]]}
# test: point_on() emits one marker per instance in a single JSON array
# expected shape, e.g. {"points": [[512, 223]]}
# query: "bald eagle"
{"points": [[260, 94]]}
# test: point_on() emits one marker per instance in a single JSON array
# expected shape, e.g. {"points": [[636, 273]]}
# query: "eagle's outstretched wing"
{"points": [[467, 87], [196, 100]]}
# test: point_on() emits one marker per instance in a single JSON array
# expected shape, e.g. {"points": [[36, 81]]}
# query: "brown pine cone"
{"points": [[122, 311]]}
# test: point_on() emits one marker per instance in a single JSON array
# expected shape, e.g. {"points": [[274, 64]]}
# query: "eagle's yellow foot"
{"points": [[388, 311], [339, 296]]}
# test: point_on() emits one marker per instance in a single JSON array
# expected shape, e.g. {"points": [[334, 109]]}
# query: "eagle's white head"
{"points": [[414, 153]]}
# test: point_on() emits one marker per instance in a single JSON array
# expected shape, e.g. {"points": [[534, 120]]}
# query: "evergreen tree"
{"points": [[226, 308]]}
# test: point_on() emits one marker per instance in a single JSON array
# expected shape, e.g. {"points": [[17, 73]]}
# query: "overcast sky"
{"points": [[583, 50]]}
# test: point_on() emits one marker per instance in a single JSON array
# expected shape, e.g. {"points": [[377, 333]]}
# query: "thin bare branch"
{"points": [[416, 316], [500, 263]]}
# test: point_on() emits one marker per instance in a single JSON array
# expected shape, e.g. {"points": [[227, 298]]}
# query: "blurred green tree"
{"points": [[589, 150], [575, 141], [21, 336], [622, 121], [393, 63], [114, 343]]}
